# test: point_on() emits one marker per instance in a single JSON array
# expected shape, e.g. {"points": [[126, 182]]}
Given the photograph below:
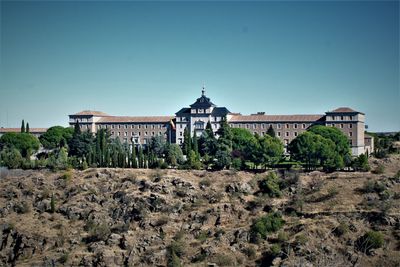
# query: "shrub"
{"points": [[11, 158], [205, 182], [341, 229], [224, 260], [64, 258], [97, 232], [202, 236], [360, 163], [265, 225], [270, 185], [373, 187], [275, 249], [250, 252], [22, 207], [52, 204], [380, 169], [174, 253], [370, 240]]}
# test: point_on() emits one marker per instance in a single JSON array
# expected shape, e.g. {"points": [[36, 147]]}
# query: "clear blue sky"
{"points": [[151, 58]]}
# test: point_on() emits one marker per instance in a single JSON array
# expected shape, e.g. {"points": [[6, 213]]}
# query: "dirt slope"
{"points": [[122, 217]]}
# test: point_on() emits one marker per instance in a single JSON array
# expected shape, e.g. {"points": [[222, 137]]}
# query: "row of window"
{"points": [[134, 134], [341, 118], [341, 125], [265, 125], [130, 126], [184, 119]]}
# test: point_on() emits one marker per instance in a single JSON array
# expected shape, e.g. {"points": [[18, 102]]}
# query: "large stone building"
{"points": [[139, 130]]}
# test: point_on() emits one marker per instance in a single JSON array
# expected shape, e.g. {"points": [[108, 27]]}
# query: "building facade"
{"points": [[139, 130]]}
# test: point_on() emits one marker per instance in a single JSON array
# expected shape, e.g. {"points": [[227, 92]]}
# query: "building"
{"points": [[139, 130], [35, 131]]}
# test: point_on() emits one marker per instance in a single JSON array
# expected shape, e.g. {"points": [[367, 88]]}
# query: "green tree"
{"points": [[271, 131], [27, 128], [23, 126], [26, 143], [11, 158], [174, 155], [207, 143], [315, 150], [187, 142], [270, 150], [340, 141], [360, 163], [80, 146], [56, 137], [134, 163], [157, 145], [195, 144]]}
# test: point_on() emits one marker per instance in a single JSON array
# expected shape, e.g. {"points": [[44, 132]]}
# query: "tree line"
{"points": [[319, 147]]}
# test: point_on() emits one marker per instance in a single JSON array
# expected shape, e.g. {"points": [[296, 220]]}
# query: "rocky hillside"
{"points": [[123, 217]]}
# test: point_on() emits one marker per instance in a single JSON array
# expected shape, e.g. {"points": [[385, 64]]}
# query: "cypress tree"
{"points": [[195, 145], [23, 126], [271, 131], [77, 129], [134, 160], [187, 141], [140, 157], [27, 127], [209, 130]]}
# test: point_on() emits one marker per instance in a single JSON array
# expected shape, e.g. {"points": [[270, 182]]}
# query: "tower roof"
{"points": [[203, 101]]}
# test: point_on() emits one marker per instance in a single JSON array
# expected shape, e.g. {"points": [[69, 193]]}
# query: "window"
{"points": [[152, 133], [145, 133], [295, 125], [145, 126], [178, 119], [287, 125], [350, 134], [304, 126], [254, 133], [333, 118], [119, 133], [341, 125], [279, 133], [295, 133], [139, 133], [350, 125], [112, 133], [278, 125], [201, 110], [119, 126], [132, 126], [132, 133], [180, 134], [126, 134], [180, 126], [126, 126], [263, 126], [254, 126], [287, 133], [193, 111], [138, 126], [112, 126], [341, 118], [153, 126]]}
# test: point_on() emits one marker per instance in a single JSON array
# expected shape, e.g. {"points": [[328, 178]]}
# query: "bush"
{"points": [[265, 225], [373, 187], [370, 240], [275, 249], [341, 229], [97, 232], [11, 158], [360, 163], [270, 185], [380, 169]]}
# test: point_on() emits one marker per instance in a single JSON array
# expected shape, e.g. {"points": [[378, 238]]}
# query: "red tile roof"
{"points": [[144, 119], [275, 118], [91, 112], [17, 130]]}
